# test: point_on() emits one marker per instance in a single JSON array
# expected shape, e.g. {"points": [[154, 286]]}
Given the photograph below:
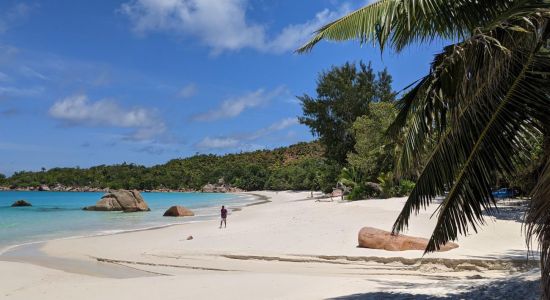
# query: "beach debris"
{"points": [[178, 211], [120, 200], [189, 237], [337, 192], [374, 238], [20, 203]]}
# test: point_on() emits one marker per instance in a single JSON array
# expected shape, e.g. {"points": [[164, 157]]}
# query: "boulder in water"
{"points": [[178, 211], [20, 203], [121, 200]]}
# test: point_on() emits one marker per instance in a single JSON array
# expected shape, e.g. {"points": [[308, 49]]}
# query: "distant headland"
{"points": [[296, 167]]}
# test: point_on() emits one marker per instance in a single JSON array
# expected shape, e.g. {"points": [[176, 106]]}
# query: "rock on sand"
{"points": [[380, 239]]}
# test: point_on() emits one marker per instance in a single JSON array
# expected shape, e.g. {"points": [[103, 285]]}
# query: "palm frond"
{"points": [[455, 77], [538, 225], [402, 22], [459, 75], [485, 135]]}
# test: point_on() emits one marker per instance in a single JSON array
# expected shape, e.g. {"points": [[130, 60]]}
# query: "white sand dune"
{"points": [[289, 248]]}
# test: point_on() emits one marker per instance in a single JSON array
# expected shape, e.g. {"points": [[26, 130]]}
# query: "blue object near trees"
{"points": [[503, 193]]}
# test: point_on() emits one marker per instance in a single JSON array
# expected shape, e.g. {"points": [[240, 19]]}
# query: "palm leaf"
{"points": [[482, 100], [538, 224], [402, 22], [458, 76], [487, 133]]}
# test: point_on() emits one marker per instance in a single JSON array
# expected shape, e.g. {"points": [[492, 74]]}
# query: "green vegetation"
{"points": [[374, 153], [351, 115], [297, 167], [483, 98], [343, 94]]}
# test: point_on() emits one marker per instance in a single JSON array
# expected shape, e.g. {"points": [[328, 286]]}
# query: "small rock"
{"points": [[20, 203], [190, 237], [178, 211]]}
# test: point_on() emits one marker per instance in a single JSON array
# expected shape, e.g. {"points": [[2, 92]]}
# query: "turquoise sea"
{"points": [[59, 214]]}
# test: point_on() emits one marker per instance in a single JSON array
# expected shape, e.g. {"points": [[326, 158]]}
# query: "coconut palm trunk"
{"points": [[485, 95]]}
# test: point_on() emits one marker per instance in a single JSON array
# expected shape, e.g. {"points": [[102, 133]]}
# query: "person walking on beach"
{"points": [[224, 217]]}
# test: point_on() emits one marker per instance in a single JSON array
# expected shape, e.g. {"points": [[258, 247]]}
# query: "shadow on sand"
{"points": [[513, 288]]}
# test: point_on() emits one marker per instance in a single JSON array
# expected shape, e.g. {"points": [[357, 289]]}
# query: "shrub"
{"points": [[405, 187], [387, 185], [357, 193]]}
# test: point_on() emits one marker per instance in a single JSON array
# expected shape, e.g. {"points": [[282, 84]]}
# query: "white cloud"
{"points": [[153, 149], [277, 126], [209, 143], [188, 91], [221, 25], [10, 91], [244, 141], [293, 36], [30, 72], [77, 110], [233, 107], [283, 124]]}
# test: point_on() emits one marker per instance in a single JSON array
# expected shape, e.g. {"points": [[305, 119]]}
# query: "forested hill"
{"points": [[300, 166]]}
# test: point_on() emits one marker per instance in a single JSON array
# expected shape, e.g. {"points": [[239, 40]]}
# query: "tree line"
{"points": [[297, 167]]}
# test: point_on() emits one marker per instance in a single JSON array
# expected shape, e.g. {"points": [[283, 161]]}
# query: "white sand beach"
{"points": [[289, 248]]}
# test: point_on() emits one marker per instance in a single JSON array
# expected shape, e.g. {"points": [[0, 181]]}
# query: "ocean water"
{"points": [[59, 214]]}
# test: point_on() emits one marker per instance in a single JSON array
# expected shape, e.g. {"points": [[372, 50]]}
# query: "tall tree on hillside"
{"points": [[343, 95], [374, 154], [484, 95]]}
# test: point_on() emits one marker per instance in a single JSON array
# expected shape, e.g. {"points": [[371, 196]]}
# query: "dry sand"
{"points": [[289, 248]]}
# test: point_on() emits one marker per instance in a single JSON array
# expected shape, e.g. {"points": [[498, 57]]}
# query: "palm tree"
{"points": [[350, 177], [485, 95]]}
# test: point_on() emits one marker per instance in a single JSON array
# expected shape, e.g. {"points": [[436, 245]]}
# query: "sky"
{"points": [[86, 83]]}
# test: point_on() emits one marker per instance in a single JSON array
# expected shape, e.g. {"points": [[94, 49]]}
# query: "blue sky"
{"points": [[85, 83]]}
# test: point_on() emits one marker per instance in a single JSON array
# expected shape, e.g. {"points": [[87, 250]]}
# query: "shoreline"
{"points": [[290, 247], [20, 252], [257, 198], [261, 200], [99, 190]]}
